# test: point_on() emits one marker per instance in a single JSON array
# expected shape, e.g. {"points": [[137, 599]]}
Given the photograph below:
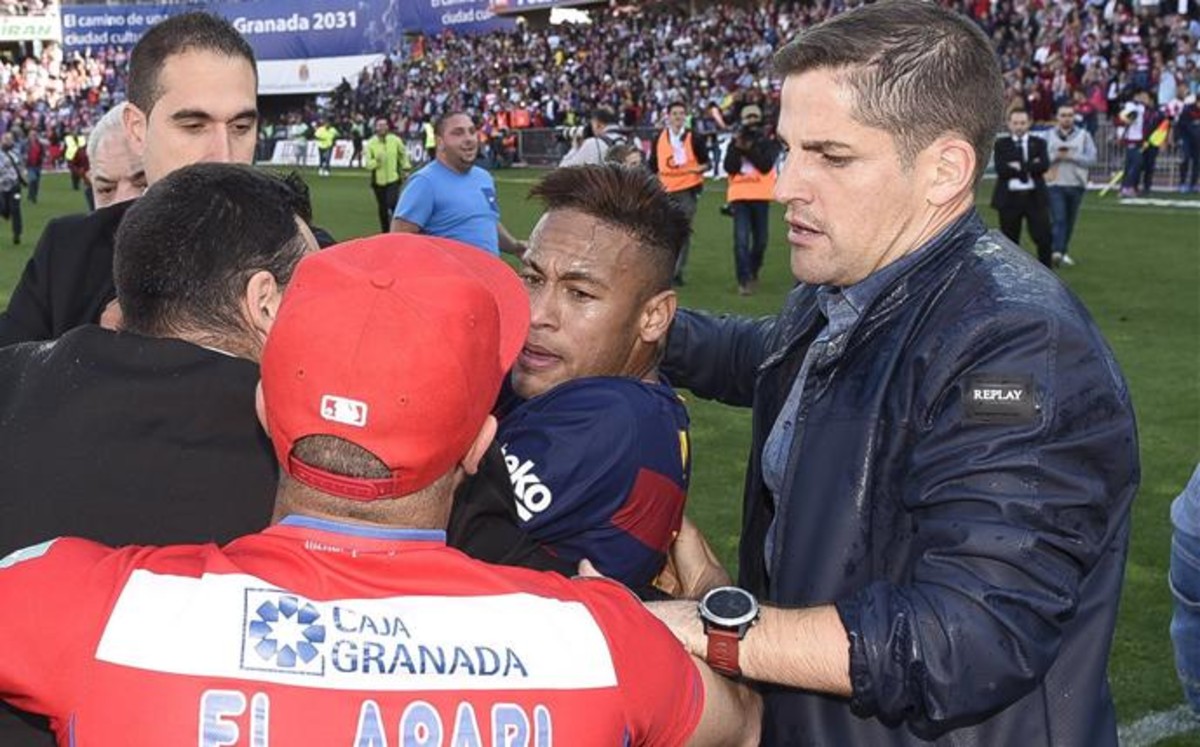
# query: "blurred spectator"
{"points": [[452, 197], [35, 155], [11, 180], [590, 145], [1072, 151], [388, 162], [680, 156], [750, 164], [1020, 193], [1187, 133], [116, 173]]}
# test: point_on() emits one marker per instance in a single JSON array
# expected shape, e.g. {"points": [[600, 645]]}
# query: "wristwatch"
{"points": [[727, 613]]}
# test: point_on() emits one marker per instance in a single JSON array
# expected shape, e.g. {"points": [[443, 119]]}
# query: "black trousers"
{"points": [[10, 210], [386, 198], [1035, 211]]}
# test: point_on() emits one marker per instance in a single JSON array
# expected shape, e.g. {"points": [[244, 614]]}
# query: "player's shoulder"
{"points": [[72, 556], [481, 174], [79, 231], [617, 396]]}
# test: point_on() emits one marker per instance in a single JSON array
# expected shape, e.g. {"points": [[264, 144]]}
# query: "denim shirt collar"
{"points": [[843, 307]]}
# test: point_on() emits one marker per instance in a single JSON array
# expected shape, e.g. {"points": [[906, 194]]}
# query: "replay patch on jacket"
{"points": [[991, 398]]}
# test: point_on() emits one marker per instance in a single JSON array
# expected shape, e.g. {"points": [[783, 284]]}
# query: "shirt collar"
{"points": [[859, 297], [356, 536]]}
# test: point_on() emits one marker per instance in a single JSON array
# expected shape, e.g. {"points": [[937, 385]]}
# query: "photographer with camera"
{"points": [[750, 164], [590, 144]]}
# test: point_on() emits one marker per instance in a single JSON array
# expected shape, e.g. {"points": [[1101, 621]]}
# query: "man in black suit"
{"points": [[192, 97], [1021, 161], [148, 435]]}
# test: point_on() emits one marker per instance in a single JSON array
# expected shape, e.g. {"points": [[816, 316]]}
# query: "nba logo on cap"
{"points": [[344, 410]]}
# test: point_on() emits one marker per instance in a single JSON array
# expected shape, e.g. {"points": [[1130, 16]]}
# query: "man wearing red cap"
{"points": [[349, 621]]}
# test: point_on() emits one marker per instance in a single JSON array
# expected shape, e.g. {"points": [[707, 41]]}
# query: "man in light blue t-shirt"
{"points": [[452, 197]]}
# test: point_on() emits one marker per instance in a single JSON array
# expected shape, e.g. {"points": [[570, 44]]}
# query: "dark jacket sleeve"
{"points": [[733, 160], [68, 280], [483, 521], [1009, 518], [763, 154], [717, 357], [700, 148], [28, 316], [1002, 153], [1039, 158], [652, 161]]}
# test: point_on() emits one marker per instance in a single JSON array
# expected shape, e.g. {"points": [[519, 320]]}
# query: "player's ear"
{"points": [[657, 314], [470, 462]]}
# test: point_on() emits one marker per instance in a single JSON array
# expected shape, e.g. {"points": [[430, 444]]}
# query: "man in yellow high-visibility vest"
{"points": [[325, 134], [72, 143], [388, 162]]}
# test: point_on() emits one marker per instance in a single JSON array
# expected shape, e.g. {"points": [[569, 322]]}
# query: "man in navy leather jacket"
{"points": [[944, 453]]}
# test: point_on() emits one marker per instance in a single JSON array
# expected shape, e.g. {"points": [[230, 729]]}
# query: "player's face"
{"points": [[116, 173], [207, 113], [459, 143], [585, 302], [851, 205]]}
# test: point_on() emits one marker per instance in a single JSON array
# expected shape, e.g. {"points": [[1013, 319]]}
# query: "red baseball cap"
{"points": [[397, 343]]}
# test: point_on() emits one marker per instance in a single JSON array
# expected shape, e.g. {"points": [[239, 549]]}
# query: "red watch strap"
{"points": [[722, 654]]}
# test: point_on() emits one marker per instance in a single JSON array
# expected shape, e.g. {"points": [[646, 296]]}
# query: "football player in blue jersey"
{"points": [[595, 441]]}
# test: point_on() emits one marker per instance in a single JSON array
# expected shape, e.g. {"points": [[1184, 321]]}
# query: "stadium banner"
{"points": [[504, 7], [460, 16], [302, 46], [31, 28], [298, 153]]}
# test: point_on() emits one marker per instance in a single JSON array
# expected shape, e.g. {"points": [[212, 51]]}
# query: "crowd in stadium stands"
{"points": [[27, 7], [57, 98], [1094, 54]]}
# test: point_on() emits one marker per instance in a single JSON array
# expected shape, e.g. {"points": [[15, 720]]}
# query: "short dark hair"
{"points": [[341, 457], [605, 115], [631, 200], [302, 197], [175, 35], [619, 152], [439, 124], [186, 249], [676, 104], [916, 71]]}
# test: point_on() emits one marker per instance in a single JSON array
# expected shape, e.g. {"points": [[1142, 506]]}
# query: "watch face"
{"points": [[730, 606]]}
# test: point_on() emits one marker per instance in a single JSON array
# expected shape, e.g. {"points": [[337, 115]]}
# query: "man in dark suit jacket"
{"points": [[1021, 161], [192, 97], [148, 435]]}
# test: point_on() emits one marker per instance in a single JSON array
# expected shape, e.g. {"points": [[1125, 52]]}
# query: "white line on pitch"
{"points": [[1155, 727]]}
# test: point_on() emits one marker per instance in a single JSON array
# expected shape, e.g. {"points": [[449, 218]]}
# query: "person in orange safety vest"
{"points": [[680, 158], [750, 164]]}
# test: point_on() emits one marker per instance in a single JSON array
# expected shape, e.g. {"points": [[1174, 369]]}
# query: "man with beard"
{"points": [[944, 450], [453, 198]]}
